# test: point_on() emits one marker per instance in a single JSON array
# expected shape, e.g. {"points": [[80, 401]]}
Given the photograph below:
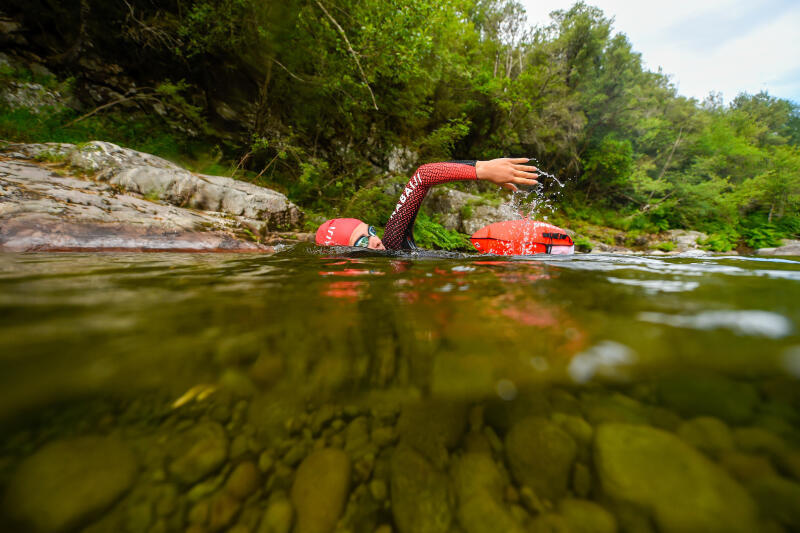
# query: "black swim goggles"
{"points": [[363, 241]]}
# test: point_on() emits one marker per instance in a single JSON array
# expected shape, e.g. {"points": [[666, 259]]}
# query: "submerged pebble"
{"points": [[320, 490], [67, 482], [198, 451]]}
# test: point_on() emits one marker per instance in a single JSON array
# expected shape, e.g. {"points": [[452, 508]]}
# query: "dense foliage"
{"points": [[328, 99]]}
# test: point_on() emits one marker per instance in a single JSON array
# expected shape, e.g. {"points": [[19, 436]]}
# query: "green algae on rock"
{"points": [[541, 454], [681, 489], [67, 483]]}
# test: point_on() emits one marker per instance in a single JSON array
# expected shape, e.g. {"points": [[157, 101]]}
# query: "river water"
{"points": [[317, 391]]}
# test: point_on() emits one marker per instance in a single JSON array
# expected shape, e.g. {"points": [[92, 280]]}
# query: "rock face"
{"points": [[657, 472], [69, 482], [320, 490], [41, 210], [540, 455]]}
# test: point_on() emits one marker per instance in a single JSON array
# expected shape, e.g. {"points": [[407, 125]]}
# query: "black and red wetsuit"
{"points": [[399, 232]]}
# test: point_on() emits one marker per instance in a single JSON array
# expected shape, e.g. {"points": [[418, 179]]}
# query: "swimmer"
{"points": [[399, 235]]}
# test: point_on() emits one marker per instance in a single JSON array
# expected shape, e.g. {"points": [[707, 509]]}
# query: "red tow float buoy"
{"points": [[522, 237]]}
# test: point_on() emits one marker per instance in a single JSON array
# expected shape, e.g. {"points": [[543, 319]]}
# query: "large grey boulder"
{"points": [[465, 212], [44, 211], [686, 240], [153, 176], [789, 247], [656, 472]]}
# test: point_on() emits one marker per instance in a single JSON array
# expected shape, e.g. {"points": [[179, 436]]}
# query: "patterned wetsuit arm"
{"points": [[399, 230]]}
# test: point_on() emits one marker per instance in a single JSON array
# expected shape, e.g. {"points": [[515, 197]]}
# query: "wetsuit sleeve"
{"points": [[399, 232]]}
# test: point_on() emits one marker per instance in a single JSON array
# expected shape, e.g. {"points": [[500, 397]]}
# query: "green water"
{"points": [[311, 392]]}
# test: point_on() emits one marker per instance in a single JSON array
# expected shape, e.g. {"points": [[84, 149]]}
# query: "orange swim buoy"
{"points": [[522, 237]]}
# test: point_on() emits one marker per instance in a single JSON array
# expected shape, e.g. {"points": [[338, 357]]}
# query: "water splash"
{"points": [[538, 201]]}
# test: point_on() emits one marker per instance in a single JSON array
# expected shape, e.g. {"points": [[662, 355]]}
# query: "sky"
{"points": [[721, 46]]}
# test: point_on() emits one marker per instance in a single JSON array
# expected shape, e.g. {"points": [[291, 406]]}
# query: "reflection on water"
{"points": [[312, 391]]}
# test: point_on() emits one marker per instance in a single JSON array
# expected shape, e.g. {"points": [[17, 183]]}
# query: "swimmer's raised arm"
{"points": [[506, 172]]}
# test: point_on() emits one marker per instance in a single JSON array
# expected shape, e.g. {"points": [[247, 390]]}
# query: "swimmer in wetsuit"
{"points": [[399, 234]]}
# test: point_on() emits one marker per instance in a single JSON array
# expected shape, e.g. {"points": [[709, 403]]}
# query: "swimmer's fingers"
{"points": [[510, 187], [526, 175], [525, 181], [518, 160], [525, 168]]}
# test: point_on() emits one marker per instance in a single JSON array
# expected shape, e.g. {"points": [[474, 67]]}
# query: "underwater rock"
{"points": [[578, 428], [479, 486], [422, 499], [476, 473], [715, 396], [198, 451], [222, 509], [268, 413], [759, 440], [432, 428], [68, 482], [707, 434], [320, 490], [616, 407], [356, 436], [278, 516], [267, 369], [778, 499], [747, 467], [361, 512], [243, 481], [682, 490], [540, 455], [503, 414], [584, 516]]}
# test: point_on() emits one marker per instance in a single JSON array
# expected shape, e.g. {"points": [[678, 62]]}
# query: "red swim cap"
{"points": [[336, 232]]}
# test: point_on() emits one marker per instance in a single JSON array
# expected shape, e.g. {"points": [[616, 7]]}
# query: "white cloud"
{"points": [[726, 46]]}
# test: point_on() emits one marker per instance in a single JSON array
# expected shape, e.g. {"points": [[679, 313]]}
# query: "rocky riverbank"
{"points": [[685, 454], [101, 197]]}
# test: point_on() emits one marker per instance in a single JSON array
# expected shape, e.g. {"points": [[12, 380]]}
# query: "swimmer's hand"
{"points": [[507, 172]]}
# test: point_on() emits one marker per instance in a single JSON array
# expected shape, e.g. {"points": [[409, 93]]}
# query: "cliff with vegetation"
{"points": [[334, 103]]}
